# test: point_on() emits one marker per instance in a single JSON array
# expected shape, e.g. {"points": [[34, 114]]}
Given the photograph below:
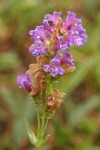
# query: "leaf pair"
{"points": [[32, 137]]}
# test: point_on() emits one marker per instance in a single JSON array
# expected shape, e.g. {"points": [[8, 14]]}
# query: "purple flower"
{"points": [[63, 44], [38, 48], [65, 58], [70, 20], [54, 67], [38, 33], [47, 26], [33, 34], [55, 37], [76, 34], [80, 37], [54, 17], [24, 81]]}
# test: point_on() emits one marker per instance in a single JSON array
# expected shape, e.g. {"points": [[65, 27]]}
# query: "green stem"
{"points": [[37, 148], [43, 123], [46, 123], [44, 115], [38, 118], [42, 120]]}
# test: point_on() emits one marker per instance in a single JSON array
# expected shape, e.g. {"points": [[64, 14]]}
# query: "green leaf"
{"points": [[31, 135]]}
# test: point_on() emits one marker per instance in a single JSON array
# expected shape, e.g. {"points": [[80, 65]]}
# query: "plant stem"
{"points": [[37, 148], [42, 118], [46, 123], [43, 122], [38, 118]]}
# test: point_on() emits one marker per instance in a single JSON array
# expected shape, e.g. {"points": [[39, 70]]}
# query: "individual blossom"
{"points": [[58, 63], [39, 36], [53, 17], [79, 35], [65, 58], [75, 33], [38, 33], [47, 26], [25, 81], [63, 44], [54, 67], [38, 48]]}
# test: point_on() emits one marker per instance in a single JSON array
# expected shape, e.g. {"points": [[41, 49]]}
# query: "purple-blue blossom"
{"points": [[54, 67], [38, 48], [76, 34], [68, 59], [38, 33], [25, 81], [65, 58], [53, 17], [63, 44], [47, 27]]}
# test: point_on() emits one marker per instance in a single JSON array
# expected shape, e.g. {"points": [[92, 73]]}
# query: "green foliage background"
{"points": [[76, 126]]}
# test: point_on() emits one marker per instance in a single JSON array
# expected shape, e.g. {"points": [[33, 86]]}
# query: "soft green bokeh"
{"points": [[76, 126]]}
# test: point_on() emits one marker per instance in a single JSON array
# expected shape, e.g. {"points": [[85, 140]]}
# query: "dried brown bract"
{"points": [[54, 100], [33, 68], [68, 69], [38, 85], [41, 60]]}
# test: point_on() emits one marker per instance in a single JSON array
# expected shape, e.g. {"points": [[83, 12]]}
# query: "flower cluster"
{"points": [[51, 47], [54, 38]]}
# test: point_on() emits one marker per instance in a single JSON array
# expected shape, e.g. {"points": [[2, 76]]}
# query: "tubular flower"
{"points": [[54, 67], [65, 58], [54, 17], [38, 48], [25, 81]]}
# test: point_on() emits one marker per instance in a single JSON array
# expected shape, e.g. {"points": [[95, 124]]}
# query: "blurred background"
{"points": [[76, 125]]}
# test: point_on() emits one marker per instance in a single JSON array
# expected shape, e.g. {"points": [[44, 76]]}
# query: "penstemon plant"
{"points": [[51, 47]]}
